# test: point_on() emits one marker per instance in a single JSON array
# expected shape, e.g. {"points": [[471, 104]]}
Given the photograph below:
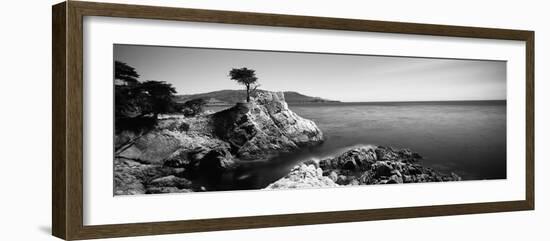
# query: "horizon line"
{"points": [[397, 101], [339, 101]]}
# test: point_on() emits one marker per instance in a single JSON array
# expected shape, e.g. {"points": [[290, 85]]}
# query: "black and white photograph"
{"points": [[192, 119]]}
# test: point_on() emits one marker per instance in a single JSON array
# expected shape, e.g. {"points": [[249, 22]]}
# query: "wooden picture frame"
{"points": [[67, 149]]}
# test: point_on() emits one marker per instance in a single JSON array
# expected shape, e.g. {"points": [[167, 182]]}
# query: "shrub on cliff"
{"points": [[193, 107]]}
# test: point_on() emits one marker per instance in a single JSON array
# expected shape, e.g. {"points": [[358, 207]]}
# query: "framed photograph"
{"points": [[171, 120]]}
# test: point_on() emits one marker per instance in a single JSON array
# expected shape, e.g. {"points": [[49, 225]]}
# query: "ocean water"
{"points": [[467, 138]]}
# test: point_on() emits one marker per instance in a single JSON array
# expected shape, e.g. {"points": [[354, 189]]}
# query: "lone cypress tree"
{"points": [[246, 77]]}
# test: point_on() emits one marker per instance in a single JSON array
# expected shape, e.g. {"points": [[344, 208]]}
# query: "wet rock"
{"points": [[367, 178], [130, 176], [303, 176], [342, 180], [152, 147], [385, 153], [312, 162], [360, 158], [333, 176], [171, 181], [407, 179], [216, 160], [382, 169], [127, 184], [214, 164], [380, 165], [395, 179], [177, 159], [156, 190]]}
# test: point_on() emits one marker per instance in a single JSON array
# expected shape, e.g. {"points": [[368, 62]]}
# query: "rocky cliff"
{"points": [[179, 149]]}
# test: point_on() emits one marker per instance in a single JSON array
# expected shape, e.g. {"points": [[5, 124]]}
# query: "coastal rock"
{"points": [[382, 169], [248, 130], [156, 190], [152, 147], [131, 177], [303, 176], [333, 176], [301, 131], [354, 159], [395, 179], [208, 145], [168, 142], [264, 126], [169, 184], [367, 165], [388, 153], [127, 184], [170, 181]]}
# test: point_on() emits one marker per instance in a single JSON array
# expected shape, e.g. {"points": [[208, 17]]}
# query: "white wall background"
{"points": [[25, 121]]}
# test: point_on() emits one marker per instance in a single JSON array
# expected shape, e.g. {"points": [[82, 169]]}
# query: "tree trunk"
{"points": [[247, 93]]}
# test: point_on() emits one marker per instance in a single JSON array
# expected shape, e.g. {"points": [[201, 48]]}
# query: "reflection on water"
{"points": [[468, 138]]}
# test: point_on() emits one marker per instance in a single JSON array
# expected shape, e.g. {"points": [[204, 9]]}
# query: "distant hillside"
{"points": [[229, 97]]}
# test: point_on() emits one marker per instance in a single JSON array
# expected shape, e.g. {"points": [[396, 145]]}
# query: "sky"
{"points": [[348, 78]]}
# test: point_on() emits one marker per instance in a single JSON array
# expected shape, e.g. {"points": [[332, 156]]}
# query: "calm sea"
{"points": [[467, 138]]}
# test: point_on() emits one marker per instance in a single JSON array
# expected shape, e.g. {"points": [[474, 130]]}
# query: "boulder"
{"points": [[131, 177], [303, 176], [405, 155], [386, 153], [355, 159], [395, 179], [178, 159], [382, 169], [127, 184], [342, 180], [170, 181], [455, 177], [333, 176], [215, 161], [156, 190], [152, 147]]}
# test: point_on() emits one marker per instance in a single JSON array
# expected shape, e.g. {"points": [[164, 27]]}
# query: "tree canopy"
{"points": [[136, 99], [194, 107], [126, 73]]}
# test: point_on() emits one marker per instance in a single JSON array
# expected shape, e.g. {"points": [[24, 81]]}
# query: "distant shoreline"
{"points": [[445, 102], [409, 102]]}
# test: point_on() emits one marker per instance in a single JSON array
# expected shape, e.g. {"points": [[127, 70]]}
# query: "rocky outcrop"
{"points": [[365, 165], [263, 127], [208, 145], [380, 165], [131, 177], [303, 176]]}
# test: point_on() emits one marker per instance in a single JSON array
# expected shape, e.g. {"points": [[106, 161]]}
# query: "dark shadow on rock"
{"points": [[229, 125]]}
